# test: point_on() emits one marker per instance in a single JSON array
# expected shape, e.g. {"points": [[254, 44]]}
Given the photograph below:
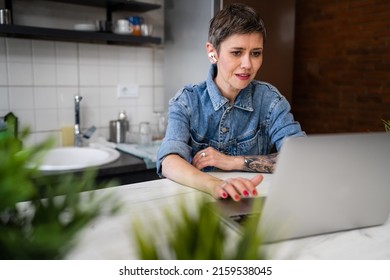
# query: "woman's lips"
{"points": [[243, 77]]}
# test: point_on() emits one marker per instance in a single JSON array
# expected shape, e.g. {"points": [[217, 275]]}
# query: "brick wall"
{"points": [[342, 65]]}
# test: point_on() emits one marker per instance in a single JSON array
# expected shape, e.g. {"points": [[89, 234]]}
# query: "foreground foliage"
{"points": [[200, 236], [35, 223]]}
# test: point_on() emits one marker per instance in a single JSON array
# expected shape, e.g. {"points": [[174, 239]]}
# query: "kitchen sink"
{"points": [[76, 158]]}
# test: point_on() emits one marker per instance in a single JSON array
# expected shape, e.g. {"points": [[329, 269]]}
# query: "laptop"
{"points": [[321, 184]]}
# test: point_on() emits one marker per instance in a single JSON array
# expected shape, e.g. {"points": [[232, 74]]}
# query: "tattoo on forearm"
{"points": [[264, 163]]}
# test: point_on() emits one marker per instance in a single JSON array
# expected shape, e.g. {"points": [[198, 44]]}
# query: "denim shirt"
{"points": [[200, 117]]}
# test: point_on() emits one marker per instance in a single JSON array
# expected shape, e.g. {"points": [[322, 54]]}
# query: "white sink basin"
{"points": [[74, 158]]}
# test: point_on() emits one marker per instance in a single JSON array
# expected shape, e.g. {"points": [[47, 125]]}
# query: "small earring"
{"points": [[212, 57]]}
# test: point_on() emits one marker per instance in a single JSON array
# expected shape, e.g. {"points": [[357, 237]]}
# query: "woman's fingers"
{"points": [[202, 158], [237, 188], [212, 157], [256, 181]]}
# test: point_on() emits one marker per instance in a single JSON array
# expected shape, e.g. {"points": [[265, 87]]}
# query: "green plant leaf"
{"points": [[196, 236], [35, 222]]}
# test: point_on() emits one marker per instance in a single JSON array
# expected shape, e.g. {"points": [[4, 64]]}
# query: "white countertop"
{"points": [[110, 237]]}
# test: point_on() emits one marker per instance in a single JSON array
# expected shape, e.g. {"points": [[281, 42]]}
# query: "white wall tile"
{"points": [[145, 56], [88, 54], [3, 74], [67, 75], [89, 75], [159, 100], [145, 97], [107, 115], [129, 105], [20, 74], [19, 50], [26, 118], [108, 97], [127, 75], [65, 97], [45, 98], [4, 103], [21, 98], [89, 117], [41, 137], [158, 75], [66, 53], [44, 74], [91, 97], [46, 119], [127, 56], [145, 75], [108, 55], [66, 117], [43, 51], [145, 113], [108, 75]]}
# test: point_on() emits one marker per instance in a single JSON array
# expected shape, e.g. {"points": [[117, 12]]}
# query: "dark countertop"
{"points": [[127, 169], [124, 164]]}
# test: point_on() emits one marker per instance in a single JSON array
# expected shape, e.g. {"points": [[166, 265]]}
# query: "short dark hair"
{"points": [[236, 18]]}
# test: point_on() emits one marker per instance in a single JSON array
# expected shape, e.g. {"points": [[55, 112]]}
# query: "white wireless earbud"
{"points": [[212, 57]]}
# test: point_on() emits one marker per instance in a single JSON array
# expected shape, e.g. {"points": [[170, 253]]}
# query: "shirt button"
{"points": [[225, 129]]}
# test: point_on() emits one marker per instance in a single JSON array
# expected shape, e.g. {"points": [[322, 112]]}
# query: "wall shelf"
{"points": [[19, 31], [22, 31], [115, 5]]}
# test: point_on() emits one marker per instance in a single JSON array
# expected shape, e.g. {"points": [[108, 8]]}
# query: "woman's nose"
{"points": [[246, 62]]}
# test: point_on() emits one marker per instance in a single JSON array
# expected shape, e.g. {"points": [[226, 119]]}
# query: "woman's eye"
{"points": [[256, 54], [236, 53]]}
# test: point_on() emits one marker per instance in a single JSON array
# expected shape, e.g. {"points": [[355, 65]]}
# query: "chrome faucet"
{"points": [[78, 141], [78, 135]]}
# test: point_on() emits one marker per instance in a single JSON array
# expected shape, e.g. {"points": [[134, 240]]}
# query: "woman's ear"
{"points": [[211, 52]]}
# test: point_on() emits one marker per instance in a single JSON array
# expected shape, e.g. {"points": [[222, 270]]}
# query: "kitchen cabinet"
{"points": [[111, 6]]}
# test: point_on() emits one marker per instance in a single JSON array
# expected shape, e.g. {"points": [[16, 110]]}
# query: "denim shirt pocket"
{"points": [[198, 142], [254, 143]]}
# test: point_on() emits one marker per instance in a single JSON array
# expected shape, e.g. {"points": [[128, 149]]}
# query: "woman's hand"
{"points": [[211, 157], [179, 170], [237, 188]]}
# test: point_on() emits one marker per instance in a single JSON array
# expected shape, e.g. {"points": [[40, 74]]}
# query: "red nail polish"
{"points": [[224, 195], [237, 197], [245, 193], [254, 192]]}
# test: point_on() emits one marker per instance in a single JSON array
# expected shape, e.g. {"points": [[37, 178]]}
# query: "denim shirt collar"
{"points": [[243, 100]]}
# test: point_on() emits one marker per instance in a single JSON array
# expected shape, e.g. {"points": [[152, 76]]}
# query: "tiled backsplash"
{"points": [[39, 79]]}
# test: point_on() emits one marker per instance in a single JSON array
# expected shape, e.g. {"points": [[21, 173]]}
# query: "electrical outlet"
{"points": [[127, 91]]}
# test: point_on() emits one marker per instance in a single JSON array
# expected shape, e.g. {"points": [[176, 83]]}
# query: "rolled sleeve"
{"points": [[172, 147], [283, 124], [178, 131]]}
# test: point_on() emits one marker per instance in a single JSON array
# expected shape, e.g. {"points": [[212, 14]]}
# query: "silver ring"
{"points": [[203, 154]]}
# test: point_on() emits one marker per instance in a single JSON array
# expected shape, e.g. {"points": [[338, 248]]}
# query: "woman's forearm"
{"points": [[263, 163], [179, 170]]}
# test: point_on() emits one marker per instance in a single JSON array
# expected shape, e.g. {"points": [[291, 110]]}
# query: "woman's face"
{"points": [[239, 59]]}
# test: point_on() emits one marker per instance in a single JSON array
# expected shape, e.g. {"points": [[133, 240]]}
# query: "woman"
{"points": [[230, 121]]}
